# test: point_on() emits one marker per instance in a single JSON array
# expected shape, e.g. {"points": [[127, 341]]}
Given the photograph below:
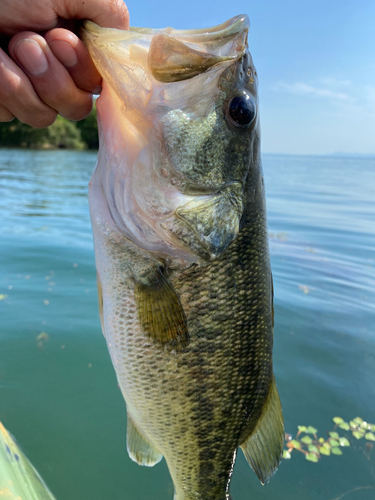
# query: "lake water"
{"points": [[58, 391]]}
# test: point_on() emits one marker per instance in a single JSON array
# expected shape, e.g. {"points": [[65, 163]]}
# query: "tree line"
{"points": [[63, 134]]}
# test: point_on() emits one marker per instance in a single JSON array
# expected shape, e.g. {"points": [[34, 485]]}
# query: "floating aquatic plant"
{"points": [[42, 338], [313, 447]]}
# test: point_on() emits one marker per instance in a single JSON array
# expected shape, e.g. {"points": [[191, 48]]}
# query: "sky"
{"points": [[315, 63]]}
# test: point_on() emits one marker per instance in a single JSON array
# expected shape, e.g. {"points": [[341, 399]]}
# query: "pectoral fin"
{"points": [[138, 448], [160, 311], [263, 449]]}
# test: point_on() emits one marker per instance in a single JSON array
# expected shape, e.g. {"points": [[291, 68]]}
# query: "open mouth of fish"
{"points": [[163, 84]]}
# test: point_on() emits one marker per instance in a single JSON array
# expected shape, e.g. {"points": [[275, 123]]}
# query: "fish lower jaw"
{"points": [[175, 241]]}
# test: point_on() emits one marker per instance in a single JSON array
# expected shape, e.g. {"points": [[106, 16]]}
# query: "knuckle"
{"points": [[69, 101], [40, 120], [19, 99], [10, 87], [6, 119], [78, 111], [6, 115]]}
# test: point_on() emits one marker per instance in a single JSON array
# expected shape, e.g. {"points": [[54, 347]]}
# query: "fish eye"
{"points": [[241, 110]]}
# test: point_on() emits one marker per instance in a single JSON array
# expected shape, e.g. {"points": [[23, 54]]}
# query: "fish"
{"points": [[177, 204], [18, 477]]}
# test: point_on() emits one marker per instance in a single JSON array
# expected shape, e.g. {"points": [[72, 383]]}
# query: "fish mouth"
{"points": [[215, 35], [233, 26], [140, 86], [170, 54]]}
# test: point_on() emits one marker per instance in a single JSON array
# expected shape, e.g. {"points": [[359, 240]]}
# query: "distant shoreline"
{"points": [[62, 134], [83, 135], [359, 156]]}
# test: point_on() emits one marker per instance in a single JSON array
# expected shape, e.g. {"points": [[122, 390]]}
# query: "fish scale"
{"points": [[204, 395]]}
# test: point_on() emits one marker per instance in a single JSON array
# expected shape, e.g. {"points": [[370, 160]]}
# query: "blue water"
{"points": [[58, 391]]}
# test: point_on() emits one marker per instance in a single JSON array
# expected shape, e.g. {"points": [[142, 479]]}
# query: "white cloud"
{"points": [[300, 88], [335, 82], [312, 129], [322, 115]]}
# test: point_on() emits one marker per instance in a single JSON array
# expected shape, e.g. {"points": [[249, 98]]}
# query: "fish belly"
{"points": [[195, 406]]}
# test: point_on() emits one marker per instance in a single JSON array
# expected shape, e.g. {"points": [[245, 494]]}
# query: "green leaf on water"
{"points": [[357, 426], [344, 442], [336, 451], [311, 457], [338, 420], [334, 435], [366, 426], [325, 450], [344, 426], [311, 430], [357, 434]]}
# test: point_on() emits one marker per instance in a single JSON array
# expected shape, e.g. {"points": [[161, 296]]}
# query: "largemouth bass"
{"points": [[178, 212]]}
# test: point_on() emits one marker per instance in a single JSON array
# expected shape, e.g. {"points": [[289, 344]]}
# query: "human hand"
{"points": [[42, 76]]}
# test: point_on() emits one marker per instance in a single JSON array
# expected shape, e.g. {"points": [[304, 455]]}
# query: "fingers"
{"points": [[106, 13], [58, 76], [51, 81], [18, 98], [55, 75], [71, 52], [5, 114]]}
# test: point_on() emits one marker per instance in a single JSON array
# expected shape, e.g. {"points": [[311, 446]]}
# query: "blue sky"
{"points": [[315, 61]]}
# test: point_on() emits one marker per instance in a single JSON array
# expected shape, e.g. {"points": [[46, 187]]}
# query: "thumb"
{"points": [[106, 13]]}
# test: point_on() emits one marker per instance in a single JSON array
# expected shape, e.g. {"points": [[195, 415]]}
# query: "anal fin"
{"points": [[138, 448], [263, 448]]}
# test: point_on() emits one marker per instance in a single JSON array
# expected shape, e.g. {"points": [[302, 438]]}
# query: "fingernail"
{"points": [[30, 54], [64, 53]]}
